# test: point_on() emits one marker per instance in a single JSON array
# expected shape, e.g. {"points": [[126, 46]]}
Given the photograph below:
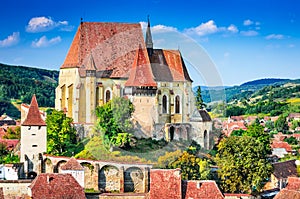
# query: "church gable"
{"points": [[141, 74]]}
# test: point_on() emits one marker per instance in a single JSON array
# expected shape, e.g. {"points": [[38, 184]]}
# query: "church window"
{"points": [[34, 145], [164, 104], [107, 96], [177, 104], [33, 134]]}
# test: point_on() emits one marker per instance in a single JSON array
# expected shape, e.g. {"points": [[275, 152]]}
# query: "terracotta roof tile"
{"points": [[113, 46], [201, 189], [293, 183], [10, 143], [56, 185], [72, 164], [292, 189], [280, 144], [33, 117], [141, 74]]}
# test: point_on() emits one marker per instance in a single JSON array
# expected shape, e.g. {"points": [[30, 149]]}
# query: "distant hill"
{"points": [[266, 81], [19, 83], [245, 90]]}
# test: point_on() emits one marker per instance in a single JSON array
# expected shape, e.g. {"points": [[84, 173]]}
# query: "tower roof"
{"points": [[149, 42], [141, 73], [33, 117]]}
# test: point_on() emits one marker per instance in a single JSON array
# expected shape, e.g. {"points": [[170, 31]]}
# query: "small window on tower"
{"points": [[34, 145], [33, 134]]}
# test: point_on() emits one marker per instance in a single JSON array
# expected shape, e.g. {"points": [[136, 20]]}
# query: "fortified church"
{"points": [[108, 60]]}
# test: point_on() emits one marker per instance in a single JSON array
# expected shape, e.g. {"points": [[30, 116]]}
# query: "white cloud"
{"points": [[10, 40], [204, 29], [249, 33], [162, 28], [248, 22], [158, 28], [275, 36], [43, 24], [232, 28], [210, 27], [44, 42]]}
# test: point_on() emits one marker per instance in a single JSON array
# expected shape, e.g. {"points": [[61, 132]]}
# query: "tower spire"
{"points": [[149, 43]]}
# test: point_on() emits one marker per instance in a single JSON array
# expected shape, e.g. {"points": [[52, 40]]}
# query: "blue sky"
{"points": [[243, 39]]}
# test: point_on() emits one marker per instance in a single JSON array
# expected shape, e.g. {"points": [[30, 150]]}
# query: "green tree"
{"points": [[291, 140], [61, 135], [192, 167], [7, 156], [168, 158], [256, 131], [114, 118], [239, 132], [243, 165], [281, 124], [199, 101]]}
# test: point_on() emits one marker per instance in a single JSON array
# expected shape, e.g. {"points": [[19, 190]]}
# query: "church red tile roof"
{"points": [[113, 46], [72, 164], [33, 117], [141, 74], [168, 65], [56, 185]]}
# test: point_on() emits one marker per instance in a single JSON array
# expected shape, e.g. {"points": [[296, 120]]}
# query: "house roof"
{"points": [[56, 185], [292, 189], [201, 189], [141, 74], [293, 183], [72, 164], [10, 143], [285, 194], [33, 117], [284, 169], [280, 144]]}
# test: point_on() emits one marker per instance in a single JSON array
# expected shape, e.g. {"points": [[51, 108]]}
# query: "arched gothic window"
{"points": [[107, 96], [164, 104], [177, 104]]}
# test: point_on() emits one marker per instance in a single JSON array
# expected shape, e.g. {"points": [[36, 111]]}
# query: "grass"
{"points": [[294, 101]]}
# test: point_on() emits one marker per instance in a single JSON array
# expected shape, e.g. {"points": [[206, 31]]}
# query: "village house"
{"points": [[292, 190], [8, 172], [55, 185], [282, 171], [75, 169], [280, 148]]}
